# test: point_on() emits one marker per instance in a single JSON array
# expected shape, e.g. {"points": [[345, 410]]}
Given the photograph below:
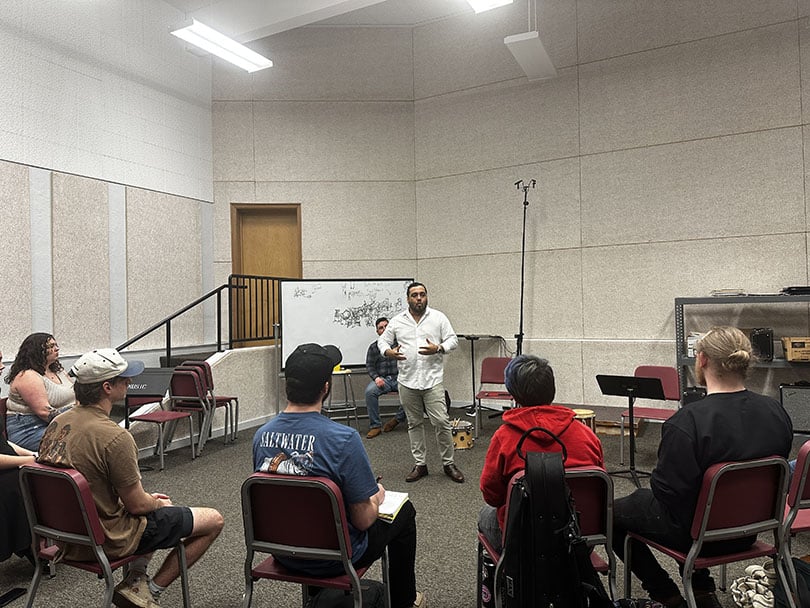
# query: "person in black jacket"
{"points": [[730, 423]]}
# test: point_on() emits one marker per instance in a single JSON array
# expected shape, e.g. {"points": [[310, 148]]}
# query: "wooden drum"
{"points": [[462, 434], [586, 417]]}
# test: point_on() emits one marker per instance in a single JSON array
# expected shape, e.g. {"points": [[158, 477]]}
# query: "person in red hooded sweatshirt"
{"points": [[530, 380]]}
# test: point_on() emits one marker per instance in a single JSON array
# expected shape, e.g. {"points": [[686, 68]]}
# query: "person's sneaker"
{"points": [[390, 425], [420, 601], [133, 592], [372, 433]]}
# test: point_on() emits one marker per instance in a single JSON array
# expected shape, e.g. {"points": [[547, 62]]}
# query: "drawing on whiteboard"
{"points": [[366, 313], [306, 292], [337, 311]]}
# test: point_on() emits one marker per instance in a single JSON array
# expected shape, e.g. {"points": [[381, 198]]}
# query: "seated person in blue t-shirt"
{"points": [[300, 441]]}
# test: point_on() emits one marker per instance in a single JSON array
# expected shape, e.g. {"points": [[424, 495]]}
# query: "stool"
{"points": [[349, 404], [586, 417]]}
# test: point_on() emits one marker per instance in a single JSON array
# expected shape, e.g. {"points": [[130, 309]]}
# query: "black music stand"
{"points": [[631, 387], [472, 338]]}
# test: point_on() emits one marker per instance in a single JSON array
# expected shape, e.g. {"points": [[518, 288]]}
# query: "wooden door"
{"points": [[265, 241]]}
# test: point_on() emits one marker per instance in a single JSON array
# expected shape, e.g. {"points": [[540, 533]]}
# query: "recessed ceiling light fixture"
{"points": [[529, 52], [219, 44], [479, 6]]}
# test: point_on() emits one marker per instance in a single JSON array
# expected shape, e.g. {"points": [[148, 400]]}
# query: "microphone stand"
{"points": [[520, 185]]}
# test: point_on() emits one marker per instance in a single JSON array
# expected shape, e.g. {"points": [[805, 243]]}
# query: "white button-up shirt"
{"points": [[419, 372]]}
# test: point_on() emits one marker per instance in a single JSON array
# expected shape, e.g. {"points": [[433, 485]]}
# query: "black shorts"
{"points": [[165, 527]]}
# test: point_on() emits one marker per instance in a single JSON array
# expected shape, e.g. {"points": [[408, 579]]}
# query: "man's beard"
{"points": [[418, 308]]}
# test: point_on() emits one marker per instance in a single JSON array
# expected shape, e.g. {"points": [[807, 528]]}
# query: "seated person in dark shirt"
{"points": [[730, 423], [14, 534], [383, 373]]}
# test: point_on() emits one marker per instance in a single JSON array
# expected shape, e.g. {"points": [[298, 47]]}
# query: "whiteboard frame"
{"points": [[315, 322]]}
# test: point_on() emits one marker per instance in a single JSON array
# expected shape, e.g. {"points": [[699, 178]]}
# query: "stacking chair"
{"points": [[737, 500], [3, 414], [492, 370], [187, 394], [229, 402], [797, 509], [672, 392], [302, 517], [592, 489], [61, 509], [160, 417]]}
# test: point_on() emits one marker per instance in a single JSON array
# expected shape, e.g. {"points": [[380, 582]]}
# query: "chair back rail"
{"points": [[668, 376], [741, 498]]}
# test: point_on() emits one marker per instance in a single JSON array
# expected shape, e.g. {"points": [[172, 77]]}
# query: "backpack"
{"points": [[802, 582], [373, 597], [545, 561]]}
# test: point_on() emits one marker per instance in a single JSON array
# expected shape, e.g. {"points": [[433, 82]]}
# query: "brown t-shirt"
{"points": [[87, 440]]}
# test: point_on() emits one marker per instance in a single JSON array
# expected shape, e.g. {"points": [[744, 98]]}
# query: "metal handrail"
{"points": [[258, 296], [167, 322]]}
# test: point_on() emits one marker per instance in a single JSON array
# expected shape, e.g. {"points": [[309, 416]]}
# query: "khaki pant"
{"points": [[430, 401]]}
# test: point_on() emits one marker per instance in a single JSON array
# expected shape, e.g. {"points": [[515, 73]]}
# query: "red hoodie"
{"points": [[502, 461]]}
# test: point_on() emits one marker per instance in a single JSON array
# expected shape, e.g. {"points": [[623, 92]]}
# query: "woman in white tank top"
{"points": [[40, 389]]}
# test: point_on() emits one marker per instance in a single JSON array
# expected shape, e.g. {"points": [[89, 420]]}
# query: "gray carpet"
{"points": [[446, 516]]}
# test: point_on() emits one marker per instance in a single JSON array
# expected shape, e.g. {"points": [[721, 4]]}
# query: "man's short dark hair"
{"points": [[303, 392], [530, 380], [88, 394], [380, 320], [412, 285]]}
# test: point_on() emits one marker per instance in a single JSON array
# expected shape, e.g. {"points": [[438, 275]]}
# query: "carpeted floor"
{"points": [[447, 514]]}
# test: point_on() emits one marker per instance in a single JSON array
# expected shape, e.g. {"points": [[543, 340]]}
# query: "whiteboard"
{"points": [[337, 311]]}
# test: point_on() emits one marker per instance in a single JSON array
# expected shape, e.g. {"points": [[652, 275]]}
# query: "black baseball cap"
{"points": [[312, 363]]}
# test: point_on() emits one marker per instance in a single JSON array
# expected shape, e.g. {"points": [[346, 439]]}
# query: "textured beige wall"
{"points": [[15, 271], [163, 265], [668, 153], [81, 262]]}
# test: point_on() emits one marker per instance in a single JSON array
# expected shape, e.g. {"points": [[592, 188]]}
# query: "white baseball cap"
{"points": [[103, 364]]}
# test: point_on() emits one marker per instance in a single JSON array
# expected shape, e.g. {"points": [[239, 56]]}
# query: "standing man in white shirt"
{"points": [[423, 336]]}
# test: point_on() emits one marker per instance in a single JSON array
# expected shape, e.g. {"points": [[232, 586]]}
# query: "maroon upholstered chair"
{"points": [[3, 414], [492, 370], [304, 517], [592, 489], [672, 391], [229, 402], [161, 418], [61, 509], [737, 500], [797, 509], [187, 394]]}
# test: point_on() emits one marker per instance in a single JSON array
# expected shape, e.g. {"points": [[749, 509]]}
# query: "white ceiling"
{"points": [[247, 20]]}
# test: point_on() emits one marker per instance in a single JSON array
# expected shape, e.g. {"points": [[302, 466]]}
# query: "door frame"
{"points": [[240, 209]]}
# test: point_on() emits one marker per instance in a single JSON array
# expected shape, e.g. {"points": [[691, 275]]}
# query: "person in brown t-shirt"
{"points": [[134, 521]]}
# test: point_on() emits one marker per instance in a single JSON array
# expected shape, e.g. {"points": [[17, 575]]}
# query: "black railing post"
{"points": [[219, 321], [169, 343]]}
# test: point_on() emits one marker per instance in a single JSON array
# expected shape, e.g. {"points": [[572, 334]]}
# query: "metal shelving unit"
{"points": [[684, 363]]}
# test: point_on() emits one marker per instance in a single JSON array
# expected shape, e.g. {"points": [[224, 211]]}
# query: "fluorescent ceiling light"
{"points": [[479, 6], [530, 53], [220, 45]]}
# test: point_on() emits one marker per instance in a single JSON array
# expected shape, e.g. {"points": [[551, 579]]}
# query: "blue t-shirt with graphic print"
{"points": [[312, 444]]}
